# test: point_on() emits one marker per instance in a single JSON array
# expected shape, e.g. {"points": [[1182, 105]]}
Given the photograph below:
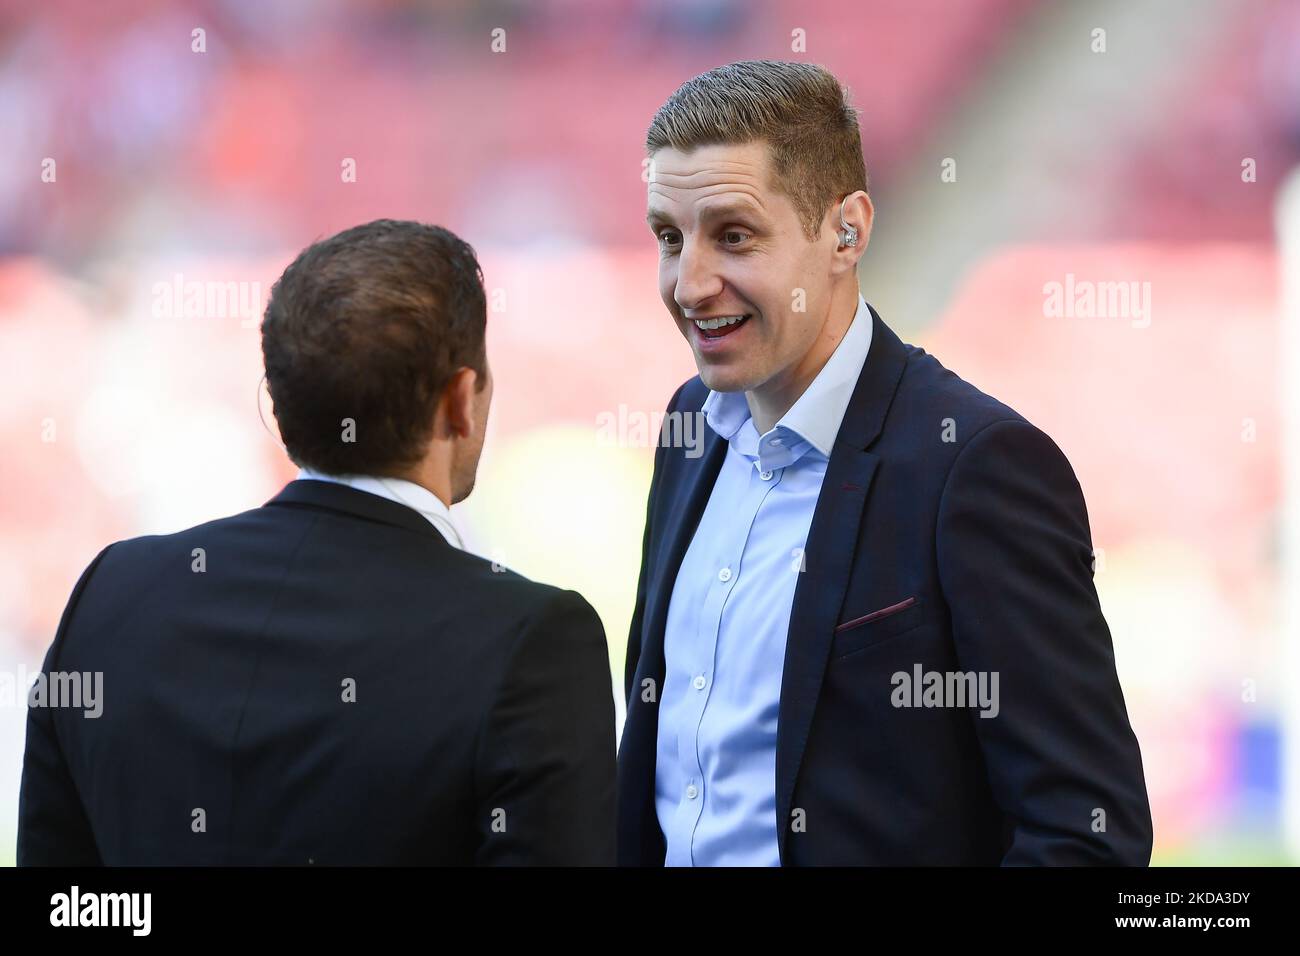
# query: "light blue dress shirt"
{"points": [[724, 643]]}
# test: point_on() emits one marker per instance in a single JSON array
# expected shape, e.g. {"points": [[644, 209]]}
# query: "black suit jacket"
{"points": [[482, 730], [951, 534]]}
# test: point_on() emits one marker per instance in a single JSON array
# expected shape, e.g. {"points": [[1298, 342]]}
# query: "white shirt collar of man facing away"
{"points": [[403, 492]]}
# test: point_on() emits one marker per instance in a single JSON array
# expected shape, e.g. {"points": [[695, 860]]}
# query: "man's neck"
{"points": [[769, 402], [433, 475]]}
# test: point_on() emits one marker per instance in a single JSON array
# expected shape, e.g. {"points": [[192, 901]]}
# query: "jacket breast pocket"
{"points": [[864, 630]]}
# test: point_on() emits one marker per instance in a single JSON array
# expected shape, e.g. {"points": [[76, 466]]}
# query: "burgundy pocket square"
{"points": [[876, 615]]}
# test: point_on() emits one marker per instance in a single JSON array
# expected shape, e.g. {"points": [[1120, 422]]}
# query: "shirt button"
{"points": [[765, 475], [777, 442], [724, 575], [691, 792], [699, 682]]}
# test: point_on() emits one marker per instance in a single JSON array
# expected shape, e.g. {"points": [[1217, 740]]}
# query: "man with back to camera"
{"points": [[866, 630], [330, 679]]}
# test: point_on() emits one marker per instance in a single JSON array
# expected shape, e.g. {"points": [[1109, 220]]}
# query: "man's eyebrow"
{"points": [[729, 210], [723, 211]]}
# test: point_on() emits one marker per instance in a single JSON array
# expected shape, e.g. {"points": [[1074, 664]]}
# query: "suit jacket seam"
{"points": [[66, 624], [952, 468], [529, 621], [252, 680], [60, 637]]}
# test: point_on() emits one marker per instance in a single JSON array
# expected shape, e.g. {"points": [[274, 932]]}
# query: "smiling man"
{"points": [[860, 518]]}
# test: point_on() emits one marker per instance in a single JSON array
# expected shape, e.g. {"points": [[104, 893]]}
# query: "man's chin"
{"points": [[460, 493], [724, 380]]}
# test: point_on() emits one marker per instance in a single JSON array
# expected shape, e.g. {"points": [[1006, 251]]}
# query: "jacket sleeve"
{"points": [[1015, 562], [545, 765], [53, 827]]}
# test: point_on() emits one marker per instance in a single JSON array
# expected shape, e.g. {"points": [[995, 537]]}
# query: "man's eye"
{"points": [[734, 238], [668, 237]]}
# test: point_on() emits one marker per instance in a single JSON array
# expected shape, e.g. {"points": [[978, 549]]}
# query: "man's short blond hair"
{"points": [[799, 109]]}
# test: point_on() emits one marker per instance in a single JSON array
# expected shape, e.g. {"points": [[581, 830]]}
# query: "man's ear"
{"points": [[858, 213], [456, 408]]}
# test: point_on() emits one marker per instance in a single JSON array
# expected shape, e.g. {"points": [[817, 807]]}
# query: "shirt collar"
{"points": [[813, 421], [404, 492]]}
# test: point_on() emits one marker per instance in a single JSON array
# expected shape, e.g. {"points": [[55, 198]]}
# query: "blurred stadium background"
{"points": [[1162, 159]]}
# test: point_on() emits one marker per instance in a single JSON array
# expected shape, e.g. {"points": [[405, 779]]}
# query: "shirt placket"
{"points": [[727, 564]]}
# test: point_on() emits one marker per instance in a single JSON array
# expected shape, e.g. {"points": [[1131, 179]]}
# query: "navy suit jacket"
{"points": [[481, 731], [952, 534]]}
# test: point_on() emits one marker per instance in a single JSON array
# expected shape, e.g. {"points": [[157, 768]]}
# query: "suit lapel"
{"points": [[829, 556], [688, 508], [638, 821]]}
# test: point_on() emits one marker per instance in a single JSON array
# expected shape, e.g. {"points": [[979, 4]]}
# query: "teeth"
{"points": [[708, 325]]}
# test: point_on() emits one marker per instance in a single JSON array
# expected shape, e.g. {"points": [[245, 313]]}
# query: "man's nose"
{"points": [[697, 279]]}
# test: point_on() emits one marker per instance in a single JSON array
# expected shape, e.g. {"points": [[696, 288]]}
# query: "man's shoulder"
{"points": [[938, 418], [270, 535], [141, 551], [928, 389]]}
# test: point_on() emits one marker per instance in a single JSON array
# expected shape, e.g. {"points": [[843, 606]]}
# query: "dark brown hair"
{"points": [[799, 109], [370, 325]]}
